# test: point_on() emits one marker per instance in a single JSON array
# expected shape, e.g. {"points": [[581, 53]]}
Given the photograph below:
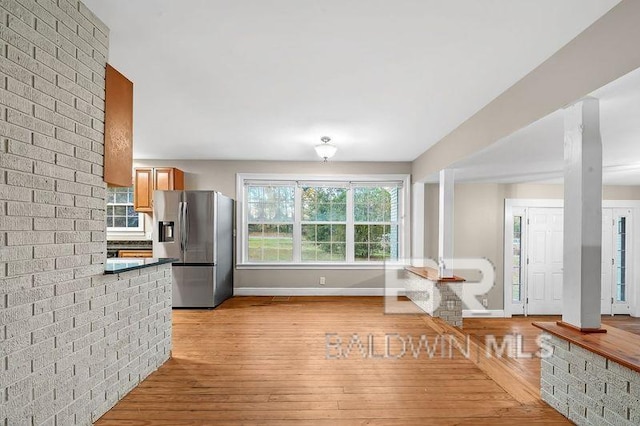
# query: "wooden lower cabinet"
{"points": [[135, 253], [149, 179]]}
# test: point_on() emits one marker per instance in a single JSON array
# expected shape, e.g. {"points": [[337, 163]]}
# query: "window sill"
{"points": [[127, 235], [308, 266]]}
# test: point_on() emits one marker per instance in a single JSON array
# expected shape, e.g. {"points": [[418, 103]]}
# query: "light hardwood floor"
{"points": [[263, 361], [529, 369]]}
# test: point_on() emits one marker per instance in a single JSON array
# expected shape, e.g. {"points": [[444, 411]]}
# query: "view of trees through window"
{"points": [[270, 223], [335, 223], [376, 237], [324, 224]]}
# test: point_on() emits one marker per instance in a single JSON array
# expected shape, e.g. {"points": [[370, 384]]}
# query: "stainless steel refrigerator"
{"points": [[196, 227]]}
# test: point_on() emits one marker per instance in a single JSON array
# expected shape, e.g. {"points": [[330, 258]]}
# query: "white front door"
{"points": [[544, 261], [607, 261], [544, 269]]}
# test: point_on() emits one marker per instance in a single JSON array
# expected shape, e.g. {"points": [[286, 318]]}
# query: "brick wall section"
{"points": [[72, 340], [438, 299], [589, 389]]}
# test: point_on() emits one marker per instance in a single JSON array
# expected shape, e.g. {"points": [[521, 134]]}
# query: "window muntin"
{"points": [[621, 260], [323, 243], [121, 215], [516, 275], [324, 224], [270, 243], [331, 222], [270, 216], [375, 223]]}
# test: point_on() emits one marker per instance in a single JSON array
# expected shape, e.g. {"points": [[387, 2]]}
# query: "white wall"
{"points": [[479, 220], [540, 191], [570, 74]]}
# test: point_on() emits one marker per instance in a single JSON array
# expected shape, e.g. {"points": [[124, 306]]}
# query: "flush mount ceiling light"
{"points": [[326, 149]]}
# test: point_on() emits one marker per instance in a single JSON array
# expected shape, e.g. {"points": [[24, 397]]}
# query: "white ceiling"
{"points": [[535, 153], [265, 79]]}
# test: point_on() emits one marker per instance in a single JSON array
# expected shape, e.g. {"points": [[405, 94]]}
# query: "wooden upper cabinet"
{"points": [[118, 129], [143, 190], [168, 179], [149, 179]]}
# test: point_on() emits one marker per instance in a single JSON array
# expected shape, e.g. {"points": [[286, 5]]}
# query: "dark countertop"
{"points": [[117, 265]]}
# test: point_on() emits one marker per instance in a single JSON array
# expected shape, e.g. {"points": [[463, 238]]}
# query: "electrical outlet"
{"points": [[323, 281], [485, 302]]}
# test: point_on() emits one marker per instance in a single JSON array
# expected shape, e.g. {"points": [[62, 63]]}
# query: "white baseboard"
{"points": [[329, 291], [319, 291], [489, 313]]}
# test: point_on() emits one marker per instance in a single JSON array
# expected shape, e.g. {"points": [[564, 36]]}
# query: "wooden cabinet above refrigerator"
{"points": [[118, 129], [149, 179]]}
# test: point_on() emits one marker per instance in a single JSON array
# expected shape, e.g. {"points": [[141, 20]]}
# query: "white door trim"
{"points": [[511, 203], [626, 308], [517, 308]]}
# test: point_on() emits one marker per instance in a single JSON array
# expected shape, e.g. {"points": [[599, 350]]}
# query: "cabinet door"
{"points": [[178, 180], [168, 179], [143, 190], [118, 129], [163, 179]]}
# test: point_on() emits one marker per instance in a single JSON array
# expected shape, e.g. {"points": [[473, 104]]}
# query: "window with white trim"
{"points": [[375, 223], [121, 215], [269, 222], [317, 221], [324, 223]]}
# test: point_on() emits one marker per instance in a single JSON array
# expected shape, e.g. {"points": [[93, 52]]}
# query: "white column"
{"points": [[445, 223], [582, 215], [417, 224]]}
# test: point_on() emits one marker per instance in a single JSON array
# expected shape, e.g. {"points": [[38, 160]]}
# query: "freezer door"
{"points": [[224, 248], [193, 286], [199, 227], [167, 207]]}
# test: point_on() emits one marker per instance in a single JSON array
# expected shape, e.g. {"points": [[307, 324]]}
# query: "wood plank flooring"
{"points": [[529, 369], [263, 361]]}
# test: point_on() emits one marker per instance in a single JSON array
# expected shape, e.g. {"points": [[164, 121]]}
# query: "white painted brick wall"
{"points": [[588, 388], [440, 300], [73, 341]]}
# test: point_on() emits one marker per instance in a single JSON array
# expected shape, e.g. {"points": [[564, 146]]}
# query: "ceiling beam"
{"points": [[602, 53]]}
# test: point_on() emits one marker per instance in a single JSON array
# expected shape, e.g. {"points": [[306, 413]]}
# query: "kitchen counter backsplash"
{"points": [[114, 246]]}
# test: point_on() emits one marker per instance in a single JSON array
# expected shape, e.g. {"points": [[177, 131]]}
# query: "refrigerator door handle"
{"points": [[180, 220], [215, 228], [186, 225]]}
